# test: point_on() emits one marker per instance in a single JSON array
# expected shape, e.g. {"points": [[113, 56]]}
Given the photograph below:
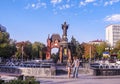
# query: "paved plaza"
{"points": [[83, 79], [80, 81]]}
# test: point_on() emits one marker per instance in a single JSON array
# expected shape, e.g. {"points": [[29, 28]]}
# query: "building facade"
{"points": [[112, 34], [97, 42]]}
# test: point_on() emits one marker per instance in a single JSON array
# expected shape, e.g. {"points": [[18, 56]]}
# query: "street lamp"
{"points": [[22, 52], [90, 55]]}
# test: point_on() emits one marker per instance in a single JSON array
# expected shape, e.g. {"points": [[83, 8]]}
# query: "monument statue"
{"points": [[55, 41], [64, 28]]}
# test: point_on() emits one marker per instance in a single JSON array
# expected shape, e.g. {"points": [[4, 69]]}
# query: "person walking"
{"points": [[75, 65], [68, 66]]}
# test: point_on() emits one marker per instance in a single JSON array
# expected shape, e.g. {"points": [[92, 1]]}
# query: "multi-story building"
{"points": [[98, 42], [112, 34]]}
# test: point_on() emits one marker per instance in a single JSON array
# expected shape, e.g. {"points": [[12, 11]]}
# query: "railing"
{"points": [[29, 69], [106, 66], [106, 69]]}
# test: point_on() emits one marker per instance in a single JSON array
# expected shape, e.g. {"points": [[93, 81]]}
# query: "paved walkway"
{"points": [[83, 79]]}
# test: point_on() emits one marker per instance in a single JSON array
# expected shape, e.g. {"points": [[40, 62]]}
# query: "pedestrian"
{"points": [[68, 66], [75, 65]]}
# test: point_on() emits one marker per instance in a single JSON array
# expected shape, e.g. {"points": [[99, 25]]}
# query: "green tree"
{"points": [[24, 50], [79, 50], [4, 37], [72, 45], [28, 50], [117, 47], [100, 48], [76, 48], [20, 50], [7, 45], [37, 50], [86, 50], [118, 54]]}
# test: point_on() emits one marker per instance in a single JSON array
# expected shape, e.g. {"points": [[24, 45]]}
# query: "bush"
{"points": [[27, 81], [1, 81]]}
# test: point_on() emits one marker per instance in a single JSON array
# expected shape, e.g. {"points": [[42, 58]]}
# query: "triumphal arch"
{"points": [[55, 41]]}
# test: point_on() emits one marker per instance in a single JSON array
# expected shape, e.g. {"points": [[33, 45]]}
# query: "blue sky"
{"points": [[33, 20]]}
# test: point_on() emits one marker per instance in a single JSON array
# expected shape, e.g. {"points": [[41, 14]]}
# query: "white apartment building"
{"points": [[113, 34]]}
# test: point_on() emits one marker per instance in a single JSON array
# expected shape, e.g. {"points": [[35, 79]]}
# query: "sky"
{"points": [[34, 20]]}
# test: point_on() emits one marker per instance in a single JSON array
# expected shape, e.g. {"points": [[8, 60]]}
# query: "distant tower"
{"points": [[64, 28]]}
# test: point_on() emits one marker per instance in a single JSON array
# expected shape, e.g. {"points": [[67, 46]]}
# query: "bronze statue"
{"points": [[64, 28]]}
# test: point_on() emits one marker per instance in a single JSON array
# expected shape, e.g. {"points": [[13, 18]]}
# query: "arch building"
{"points": [[55, 41]]}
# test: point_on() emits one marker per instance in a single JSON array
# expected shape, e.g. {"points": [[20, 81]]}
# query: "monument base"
{"points": [[28, 71]]}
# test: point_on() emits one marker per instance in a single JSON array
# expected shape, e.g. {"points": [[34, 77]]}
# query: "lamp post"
{"points": [[90, 55], [22, 52]]}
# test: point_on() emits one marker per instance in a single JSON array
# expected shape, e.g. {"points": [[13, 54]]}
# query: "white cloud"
{"points": [[113, 18], [89, 1], [67, 6], [111, 2], [36, 5], [33, 5], [64, 6], [106, 3], [55, 1], [83, 3]]}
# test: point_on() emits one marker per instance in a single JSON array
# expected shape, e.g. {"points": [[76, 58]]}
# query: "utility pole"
{"points": [[90, 55]]}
